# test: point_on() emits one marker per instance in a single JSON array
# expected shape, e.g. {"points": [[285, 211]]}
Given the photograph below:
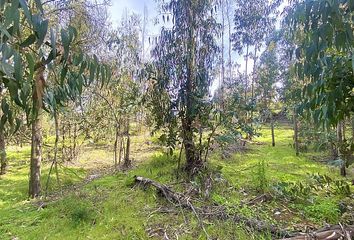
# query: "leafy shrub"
{"points": [[323, 210], [260, 177]]}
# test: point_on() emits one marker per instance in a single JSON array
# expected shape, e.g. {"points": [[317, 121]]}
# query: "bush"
{"points": [[323, 209], [79, 210]]}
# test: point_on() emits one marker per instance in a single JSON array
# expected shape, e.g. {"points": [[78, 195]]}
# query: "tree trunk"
{"points": [[127, 161], [353, 127], [116, 147], [193, 163], [272, 129], [343, 129], [55, 158], [222, 55], [71, 156], [36, 158], [340, 143], [36, 144], [246, 80], [228, 8], [296, 134], [253, 74], [75, 151], [3, 161]]}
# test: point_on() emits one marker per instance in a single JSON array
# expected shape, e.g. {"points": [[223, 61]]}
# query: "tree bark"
{"points": [[75, 152], [353, 127], [246, 80], [55, 162], [272, 129], [228, 8], [222, 54], [36, 158], [116, 147], [3, 161], [127, 162], [296, 134], [36, 144], [253, 74], [340, 143]]}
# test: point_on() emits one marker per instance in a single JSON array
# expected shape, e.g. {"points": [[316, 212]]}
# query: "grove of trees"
{"points": [[215, 76]]}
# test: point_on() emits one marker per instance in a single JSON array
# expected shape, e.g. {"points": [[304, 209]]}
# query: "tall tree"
{"points": [[268, 75], [32, 52], [179, 90]]}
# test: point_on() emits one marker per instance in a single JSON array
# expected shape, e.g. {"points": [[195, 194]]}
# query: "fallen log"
{"points": [[335, 232], [165, 191], [184, 201]]}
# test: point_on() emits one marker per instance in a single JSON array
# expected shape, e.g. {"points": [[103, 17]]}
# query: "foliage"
{"points": [[324, 57], [180, 77], [260, 177]]}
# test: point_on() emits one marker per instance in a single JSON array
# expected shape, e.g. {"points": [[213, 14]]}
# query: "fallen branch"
{"points": [[179, 198], [335, 232], [171, 196]]}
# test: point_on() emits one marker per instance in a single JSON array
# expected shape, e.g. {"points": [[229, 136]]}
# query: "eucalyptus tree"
{"points": [[252, 22], [126, 47], [268, 76], [181, 76], [30, 51], [325, 63]]}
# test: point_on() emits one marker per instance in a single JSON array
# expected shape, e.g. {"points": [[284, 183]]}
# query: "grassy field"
{"points": [[112, 207]]}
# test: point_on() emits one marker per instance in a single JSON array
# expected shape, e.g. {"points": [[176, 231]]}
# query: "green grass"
{"points": [[262, 168], [112, 207]]}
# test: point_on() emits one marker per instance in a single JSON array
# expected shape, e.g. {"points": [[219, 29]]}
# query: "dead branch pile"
{"points": [[335, 232]]}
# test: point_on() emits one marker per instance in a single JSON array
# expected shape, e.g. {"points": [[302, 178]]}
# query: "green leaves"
{"points": [[39, 5], [322, 30], [25, 9], [29, 41], [18, 67], [40, 28]]}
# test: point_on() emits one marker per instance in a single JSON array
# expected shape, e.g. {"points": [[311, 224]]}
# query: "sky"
{"points": [[119, 8], [137, 6]]}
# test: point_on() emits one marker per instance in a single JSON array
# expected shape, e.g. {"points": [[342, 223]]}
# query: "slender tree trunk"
{"points": [[71, 156], [120, 150], [296, 134], [116, 146], [36, 158], [3, 159], [222, 54], [230, 44], [343, 129], [272, 129], [55, 162], [353, 127], [63, 142], [127, 161], [253, 73], [75, 152], [246, 80], [36, 144], [340, 142]]}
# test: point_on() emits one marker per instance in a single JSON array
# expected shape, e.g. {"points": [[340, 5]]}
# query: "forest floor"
{"points": [[260, 182]]}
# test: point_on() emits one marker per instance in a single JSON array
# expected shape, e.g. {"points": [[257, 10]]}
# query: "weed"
{"points": [[323, 210], [260, 177]]}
